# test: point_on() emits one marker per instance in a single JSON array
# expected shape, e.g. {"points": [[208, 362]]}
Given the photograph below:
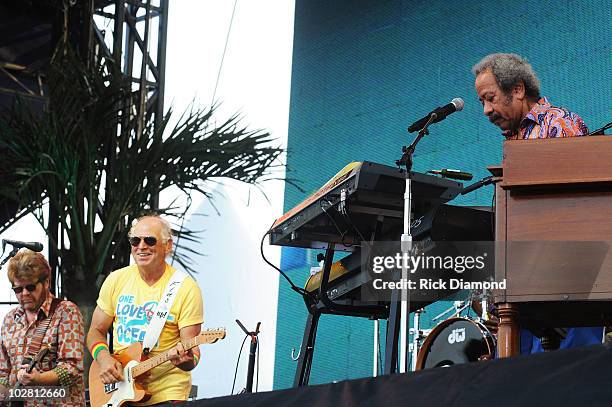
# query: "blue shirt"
{"points": [[576, 337]]}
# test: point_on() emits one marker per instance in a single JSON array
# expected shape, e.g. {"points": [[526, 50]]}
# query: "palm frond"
{"points": [[84, 158]]}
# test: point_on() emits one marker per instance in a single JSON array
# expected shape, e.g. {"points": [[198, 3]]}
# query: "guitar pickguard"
{"points": [[124, 390]]}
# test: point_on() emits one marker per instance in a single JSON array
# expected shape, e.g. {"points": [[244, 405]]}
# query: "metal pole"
{"points": [[406, 246], [415, 339], [376, 347]]}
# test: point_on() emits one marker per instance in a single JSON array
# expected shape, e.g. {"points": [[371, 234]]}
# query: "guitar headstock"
{"points": [[211, 335]]}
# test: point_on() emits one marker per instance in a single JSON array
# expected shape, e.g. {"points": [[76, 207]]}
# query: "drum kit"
{"points": [[455, 340]]}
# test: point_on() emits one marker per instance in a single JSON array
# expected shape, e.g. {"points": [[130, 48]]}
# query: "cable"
{"points": [[347, 218], [493, 209], [350, 221], [333, 221], [238, 362], [295, 288], [257, 377], [229, 30], [178, 235]]}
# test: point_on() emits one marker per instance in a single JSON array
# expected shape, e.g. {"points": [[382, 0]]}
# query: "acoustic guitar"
{"points": [[126, 391]]}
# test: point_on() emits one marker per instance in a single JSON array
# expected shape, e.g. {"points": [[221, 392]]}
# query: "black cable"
{"points": [[333, 221], [295, 288], [257, 377], [344, 213], [238, 362], [493, 209], [350, 221]]}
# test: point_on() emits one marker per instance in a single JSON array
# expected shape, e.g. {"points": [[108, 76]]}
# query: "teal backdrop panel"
{"points": [[363, 71]]}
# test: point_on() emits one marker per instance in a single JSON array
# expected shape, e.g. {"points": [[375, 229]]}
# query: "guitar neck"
{"points": [[157, 360], [41, 354]]}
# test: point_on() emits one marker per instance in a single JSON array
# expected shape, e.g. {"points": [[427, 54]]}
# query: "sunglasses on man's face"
{"points": [[149, 240], [29, 287]]}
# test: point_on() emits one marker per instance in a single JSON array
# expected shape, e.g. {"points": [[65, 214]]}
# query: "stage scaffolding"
{"points": [[132, 33]]}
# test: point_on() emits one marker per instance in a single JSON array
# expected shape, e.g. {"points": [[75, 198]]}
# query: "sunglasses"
{"points": [[149, 240], [29, 287]]}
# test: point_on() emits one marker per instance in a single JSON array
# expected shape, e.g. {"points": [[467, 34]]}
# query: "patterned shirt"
{"points": [[547, 121], [66, 339]]}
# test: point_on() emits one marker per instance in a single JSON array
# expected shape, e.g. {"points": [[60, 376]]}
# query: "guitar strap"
{"points": [[161, 312], [39, 332]]}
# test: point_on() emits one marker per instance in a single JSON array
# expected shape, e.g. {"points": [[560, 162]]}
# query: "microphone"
{"points": [[452, 174], [441, 112], [34, 246]]}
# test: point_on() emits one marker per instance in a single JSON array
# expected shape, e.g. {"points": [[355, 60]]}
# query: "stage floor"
{"points": [[580, 377]]}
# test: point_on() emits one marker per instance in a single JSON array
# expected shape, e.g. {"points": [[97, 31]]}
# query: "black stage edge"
{"points": [[564, 378]]}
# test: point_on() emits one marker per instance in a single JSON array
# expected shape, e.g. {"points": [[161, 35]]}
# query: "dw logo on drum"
{"points": [[456, 336]]}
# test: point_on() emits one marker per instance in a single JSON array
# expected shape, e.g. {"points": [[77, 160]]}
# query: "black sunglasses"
{"points": [[149, 240], [29, 287]]}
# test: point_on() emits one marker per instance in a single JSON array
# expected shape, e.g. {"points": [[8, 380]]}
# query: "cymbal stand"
{"points": [[418, 335], [458, 306], [252, 353]]}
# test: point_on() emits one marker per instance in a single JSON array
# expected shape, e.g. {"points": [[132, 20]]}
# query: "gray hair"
{"points": [[166, 229], [509, 70]]}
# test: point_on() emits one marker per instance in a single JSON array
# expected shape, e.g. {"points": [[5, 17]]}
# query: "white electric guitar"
{"points": [[117, 394]]}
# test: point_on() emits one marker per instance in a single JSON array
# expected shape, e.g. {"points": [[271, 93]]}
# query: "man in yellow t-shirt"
{"points": [[127, 300]]}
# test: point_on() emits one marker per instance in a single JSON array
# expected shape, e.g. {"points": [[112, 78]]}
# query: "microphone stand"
{"points": [[10, 255], [252, 352], [485, 181], [406, 243], [600, 132]]}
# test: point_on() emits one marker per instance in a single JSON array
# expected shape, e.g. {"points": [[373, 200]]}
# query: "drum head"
{"points": [[455, 341]]}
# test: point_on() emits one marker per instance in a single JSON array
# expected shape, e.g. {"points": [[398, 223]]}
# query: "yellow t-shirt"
{"points": [[130, 301]]}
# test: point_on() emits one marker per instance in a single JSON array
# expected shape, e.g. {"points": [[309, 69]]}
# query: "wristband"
{"points": [[97, 348], [196, 360]]}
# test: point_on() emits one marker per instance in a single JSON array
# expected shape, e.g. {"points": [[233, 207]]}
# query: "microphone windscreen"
{"points": [[458, 102]]}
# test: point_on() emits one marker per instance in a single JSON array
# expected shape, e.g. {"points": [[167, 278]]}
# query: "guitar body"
{"points": [[14, 403], [117, 394]]}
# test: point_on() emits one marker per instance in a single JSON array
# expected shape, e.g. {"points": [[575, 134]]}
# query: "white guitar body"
{"points": [[121, 391]]}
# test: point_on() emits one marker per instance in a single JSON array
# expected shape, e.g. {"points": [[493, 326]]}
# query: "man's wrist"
{"points": [[189, 365], [36, 378]]}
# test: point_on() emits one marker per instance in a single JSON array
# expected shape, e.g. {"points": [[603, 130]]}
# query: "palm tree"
{"points": [[97, 167]]}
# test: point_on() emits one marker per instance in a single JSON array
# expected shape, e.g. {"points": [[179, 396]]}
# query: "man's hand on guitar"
{"points": [[111, 370], [181, 358], [28, 379], [3, 392]]}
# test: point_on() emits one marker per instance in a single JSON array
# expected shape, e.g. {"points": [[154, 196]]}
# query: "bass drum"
{"points": [[455, 341]]}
